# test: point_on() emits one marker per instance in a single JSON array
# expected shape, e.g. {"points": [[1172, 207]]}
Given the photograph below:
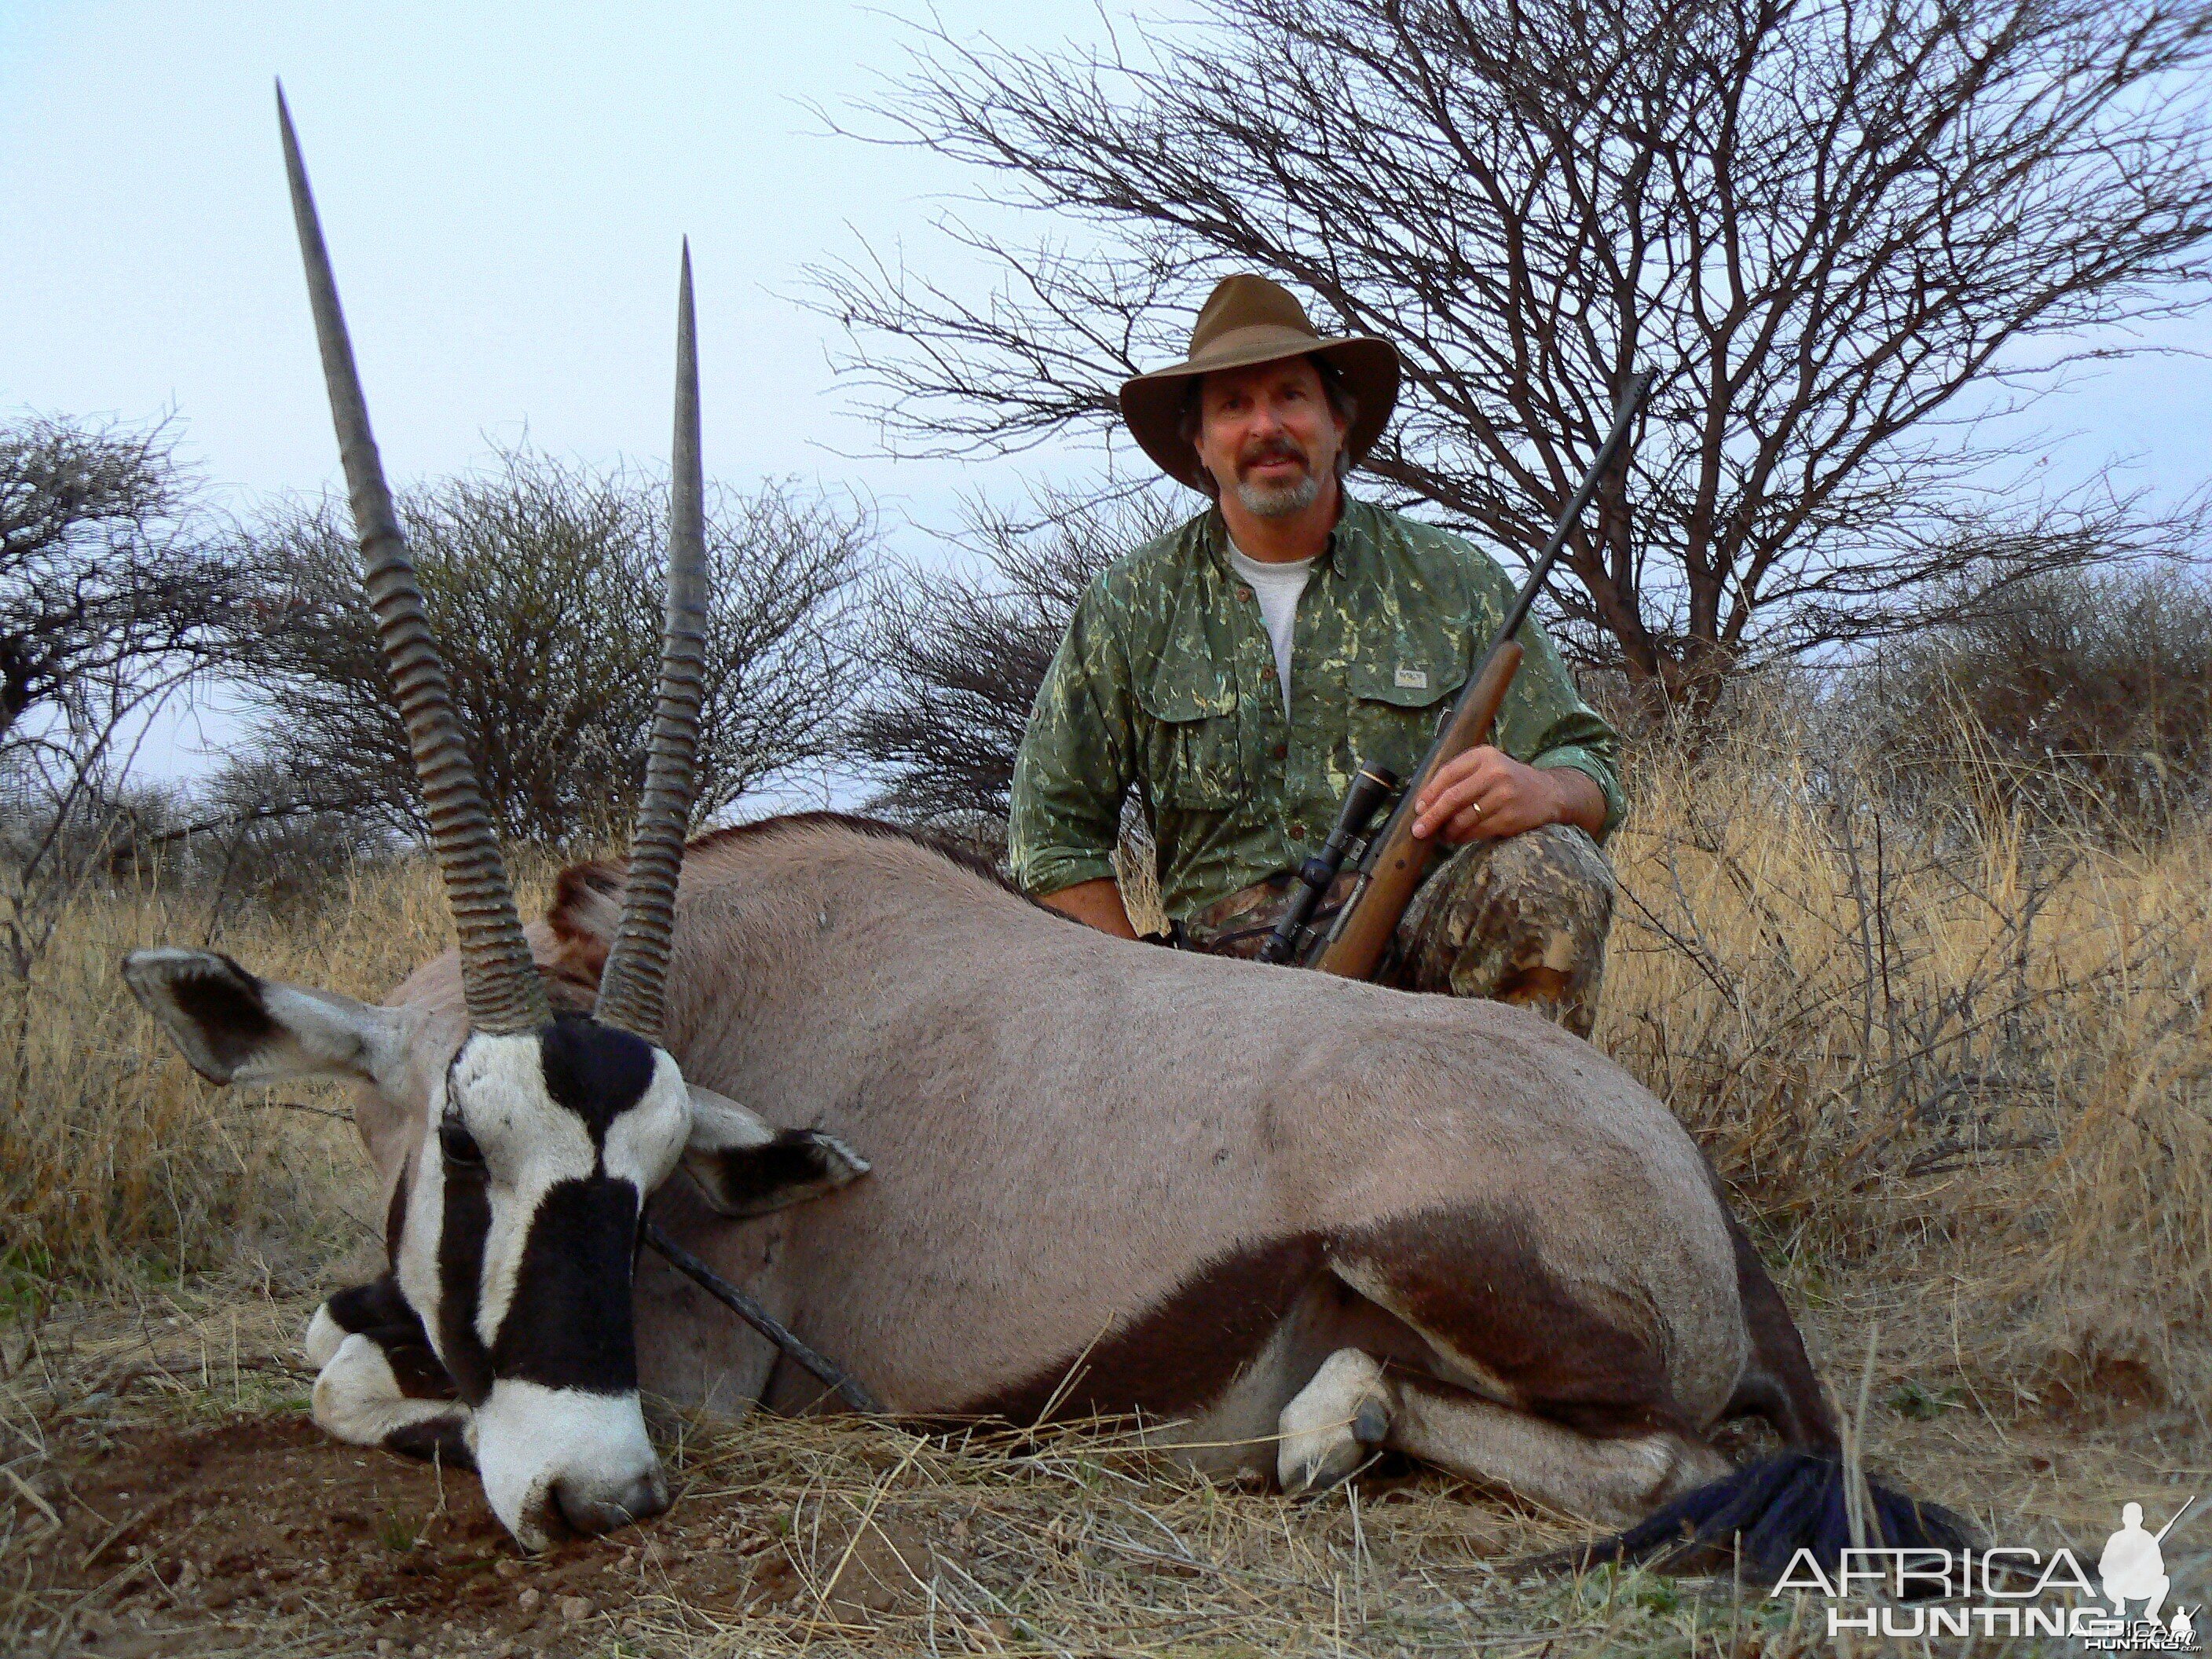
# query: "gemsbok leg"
{"points": [[1335, 1423], [378, 1382], [1538, 1369], [1353, 1407]]}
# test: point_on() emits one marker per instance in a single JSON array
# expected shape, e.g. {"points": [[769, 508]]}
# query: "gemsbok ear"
{"points": [[235, 1028], [745, 1166]]}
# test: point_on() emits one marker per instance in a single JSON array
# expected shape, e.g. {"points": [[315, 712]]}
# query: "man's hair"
{"points": [[1341, 403]]}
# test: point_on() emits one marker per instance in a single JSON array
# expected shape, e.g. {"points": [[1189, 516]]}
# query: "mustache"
{"points": [[1274, 449]]}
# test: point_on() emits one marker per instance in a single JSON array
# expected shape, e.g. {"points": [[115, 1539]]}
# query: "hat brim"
{"points": [[1152, 404]]}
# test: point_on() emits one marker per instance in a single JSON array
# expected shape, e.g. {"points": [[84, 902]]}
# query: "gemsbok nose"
{"points": [[591, 1507]]}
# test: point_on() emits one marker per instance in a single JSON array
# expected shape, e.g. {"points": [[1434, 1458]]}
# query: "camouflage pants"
{"points": [[1521, 921]]}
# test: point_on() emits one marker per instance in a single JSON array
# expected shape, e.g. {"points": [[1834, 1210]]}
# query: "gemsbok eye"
{"points": [[459, 1146]]}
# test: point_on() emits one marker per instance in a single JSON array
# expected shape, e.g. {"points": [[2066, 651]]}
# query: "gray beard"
{"points": [[1280, 502]]}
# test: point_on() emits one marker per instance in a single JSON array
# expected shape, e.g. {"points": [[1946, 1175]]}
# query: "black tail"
{"points": [[1762, 1515]]}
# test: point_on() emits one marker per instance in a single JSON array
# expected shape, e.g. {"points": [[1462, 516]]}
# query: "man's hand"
{"points": [[1486, 792]]}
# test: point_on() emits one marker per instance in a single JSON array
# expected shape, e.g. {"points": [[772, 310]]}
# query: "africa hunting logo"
{"points": [[2003, 1591]]}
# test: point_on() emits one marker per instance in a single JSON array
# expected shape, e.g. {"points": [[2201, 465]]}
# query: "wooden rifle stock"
{"points": [[1399, 861], [1396, 863]]}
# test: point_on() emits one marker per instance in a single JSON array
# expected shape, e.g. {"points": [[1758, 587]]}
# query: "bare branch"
{"points": [[1837, 231], [544, 584], [958, 658]]}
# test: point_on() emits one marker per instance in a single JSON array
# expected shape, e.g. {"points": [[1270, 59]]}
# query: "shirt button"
{"points": [[1297, 832], [1268, 672], [1279, 751], [1244, 593]]}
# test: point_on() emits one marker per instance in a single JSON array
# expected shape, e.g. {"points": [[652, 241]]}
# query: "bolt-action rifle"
{"points": [[1394, 861]]}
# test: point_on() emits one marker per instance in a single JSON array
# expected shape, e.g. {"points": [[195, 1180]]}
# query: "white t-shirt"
{"points": [[1277, 587]]}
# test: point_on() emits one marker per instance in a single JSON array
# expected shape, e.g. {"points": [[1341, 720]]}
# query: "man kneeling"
{"points": [[1236, 672]]}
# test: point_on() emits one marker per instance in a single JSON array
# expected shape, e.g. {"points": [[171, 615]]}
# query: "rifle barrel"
{"points": [[1524, 601], [2178, 1514]]}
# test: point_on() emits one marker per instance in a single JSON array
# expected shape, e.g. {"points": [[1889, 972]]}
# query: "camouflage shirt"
{"points": [[1166, 684]]}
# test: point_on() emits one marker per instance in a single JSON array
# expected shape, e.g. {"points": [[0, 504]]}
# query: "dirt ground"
{"points": [[267, 1532], [164, 1492], [257, 1534]]}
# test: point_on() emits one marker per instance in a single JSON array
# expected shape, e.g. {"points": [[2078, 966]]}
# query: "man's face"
{"points": [[1268, 435]]}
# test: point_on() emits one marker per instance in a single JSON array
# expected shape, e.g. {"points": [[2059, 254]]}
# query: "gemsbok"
{"points": [[1287, 1219], [523, 1146]]}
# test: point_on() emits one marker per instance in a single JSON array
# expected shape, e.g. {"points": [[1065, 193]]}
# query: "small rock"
{"points": [[573, 1608], [507, 1567], [529, 1599]]}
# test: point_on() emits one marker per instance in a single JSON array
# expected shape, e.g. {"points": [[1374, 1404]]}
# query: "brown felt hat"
{"points": [[1247, 320]]}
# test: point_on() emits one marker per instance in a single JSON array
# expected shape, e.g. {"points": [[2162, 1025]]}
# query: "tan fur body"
{"points": [[1066, 1128]]}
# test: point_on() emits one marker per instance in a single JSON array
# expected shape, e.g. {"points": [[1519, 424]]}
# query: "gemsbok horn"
{"points": [[518, 1146], [637, 961], [505, 994]]}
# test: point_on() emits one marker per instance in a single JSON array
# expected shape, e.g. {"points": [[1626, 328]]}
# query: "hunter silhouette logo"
{"points": [[2133, 1567], [2006, 1589]]}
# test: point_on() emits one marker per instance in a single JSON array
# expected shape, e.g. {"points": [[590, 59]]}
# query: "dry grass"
{"points": [[1957, 1073], [116, 1163]]}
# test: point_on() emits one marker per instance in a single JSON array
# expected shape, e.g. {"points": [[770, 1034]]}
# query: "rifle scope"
{"points": [[1370, 787]]}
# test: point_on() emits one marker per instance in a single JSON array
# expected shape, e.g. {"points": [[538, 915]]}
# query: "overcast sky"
{"points": [[504, 187]]}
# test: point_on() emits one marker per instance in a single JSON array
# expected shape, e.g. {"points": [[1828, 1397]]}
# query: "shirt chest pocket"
{"points": [[1193, 757], [1399, 699]]}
